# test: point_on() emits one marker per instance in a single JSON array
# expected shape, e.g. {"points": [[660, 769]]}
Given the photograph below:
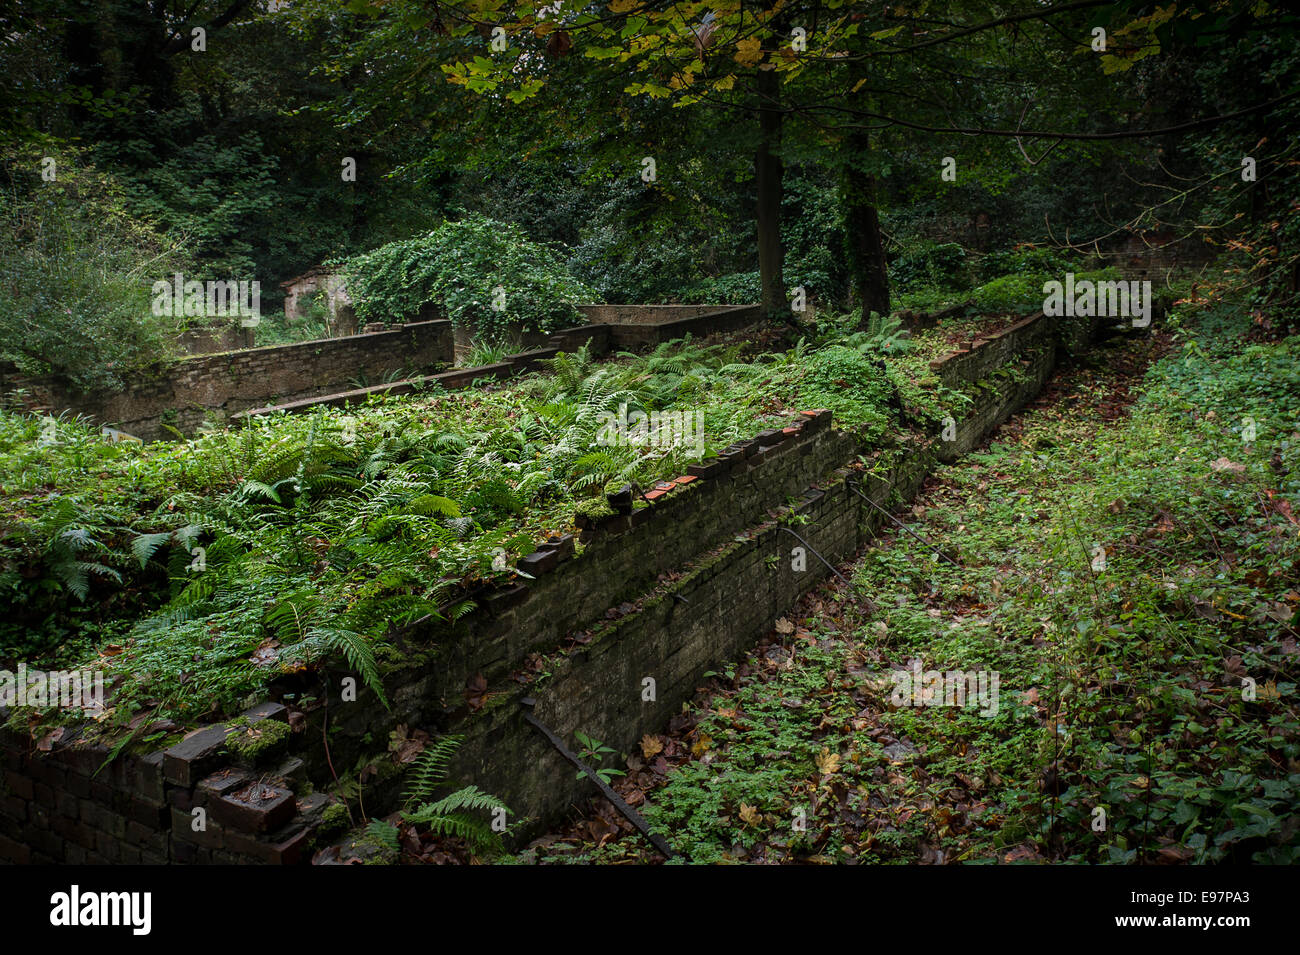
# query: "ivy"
{"points": [[488, 275]]}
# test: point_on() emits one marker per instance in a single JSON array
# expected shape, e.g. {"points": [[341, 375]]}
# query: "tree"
{"points": [[857, 67]]}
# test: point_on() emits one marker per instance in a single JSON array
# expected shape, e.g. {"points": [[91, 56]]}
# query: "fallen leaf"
{"points": [[1223, 464], [827, 762]]}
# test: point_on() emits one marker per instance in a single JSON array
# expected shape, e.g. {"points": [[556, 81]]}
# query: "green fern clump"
{"points": [[457, 814], [226, 561]]}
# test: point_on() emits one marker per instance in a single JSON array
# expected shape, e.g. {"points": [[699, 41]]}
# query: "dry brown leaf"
{"points": [[827, 762]]}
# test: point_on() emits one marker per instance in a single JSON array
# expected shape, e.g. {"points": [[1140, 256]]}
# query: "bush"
{"points": [[853, 384], [1011, 293], [75, 276], [738, 288], [930, 265], [1029, 260], [487, 274]]}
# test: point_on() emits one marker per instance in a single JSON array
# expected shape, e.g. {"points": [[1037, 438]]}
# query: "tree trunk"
{"points": [[769, 175], [863, 244]]}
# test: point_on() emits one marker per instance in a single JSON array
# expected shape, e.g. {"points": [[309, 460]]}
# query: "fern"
{"points": [[450, 815], [429, 769], [383, 833]]}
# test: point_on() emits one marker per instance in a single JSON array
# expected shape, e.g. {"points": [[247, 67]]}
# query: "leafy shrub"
{"points": [[469, 266], [75, 273], [738, 288], [1030, 260], [852, 384], [930, 265], [1011, 293]]}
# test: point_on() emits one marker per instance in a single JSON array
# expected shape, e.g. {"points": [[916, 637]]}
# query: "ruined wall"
{"points": [[667, 592], [192, 391], [214, 389]]}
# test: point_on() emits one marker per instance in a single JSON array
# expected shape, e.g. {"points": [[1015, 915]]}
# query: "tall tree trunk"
{"points": [[862, 240], [769, 180]]}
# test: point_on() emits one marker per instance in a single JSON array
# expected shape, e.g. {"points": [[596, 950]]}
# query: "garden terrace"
{"points": [[374, 582], [209, 390], [1069, 574]]}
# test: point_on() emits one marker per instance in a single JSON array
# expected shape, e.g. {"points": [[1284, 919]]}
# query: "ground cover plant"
{"points": [[1124, 556], [200, 570]]}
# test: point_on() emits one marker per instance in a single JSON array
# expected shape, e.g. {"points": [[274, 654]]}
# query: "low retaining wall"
{"points": [[208, 388], [600, 339], [645, 314], [214, 389], [665, 593]]}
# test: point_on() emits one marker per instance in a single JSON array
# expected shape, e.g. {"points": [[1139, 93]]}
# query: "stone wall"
{"points": [[667, 592]]}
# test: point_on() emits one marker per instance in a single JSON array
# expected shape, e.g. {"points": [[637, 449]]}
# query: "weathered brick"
{"points": [[195, 756], [212, 835], [14, 852], [19, 785], [258, 807], [286, 850]]}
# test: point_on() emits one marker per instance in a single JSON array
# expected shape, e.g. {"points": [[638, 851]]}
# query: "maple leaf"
{"points": [[651, 746], [784, 627], [702, 745], [827, 762], [749, 815], [749, 51]]}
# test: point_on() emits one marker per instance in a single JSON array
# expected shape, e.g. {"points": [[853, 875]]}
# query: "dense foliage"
{"points": [[75, 272], [487, 275], [221, 562]]}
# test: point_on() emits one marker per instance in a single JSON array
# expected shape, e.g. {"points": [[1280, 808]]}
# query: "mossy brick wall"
{"points": [[623, 558], [70, 803], [645, 314], [188, 392], [600, 624], [599, 339]]}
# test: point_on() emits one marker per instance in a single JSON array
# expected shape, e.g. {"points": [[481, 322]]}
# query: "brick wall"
{"points": [[667, 593], [193, 390], [67, 802], [645, 314], [226, 386]]}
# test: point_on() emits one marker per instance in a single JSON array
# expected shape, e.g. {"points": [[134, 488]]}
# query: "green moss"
{"points": [[594, 507], [256, 742], [333, 821]]}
